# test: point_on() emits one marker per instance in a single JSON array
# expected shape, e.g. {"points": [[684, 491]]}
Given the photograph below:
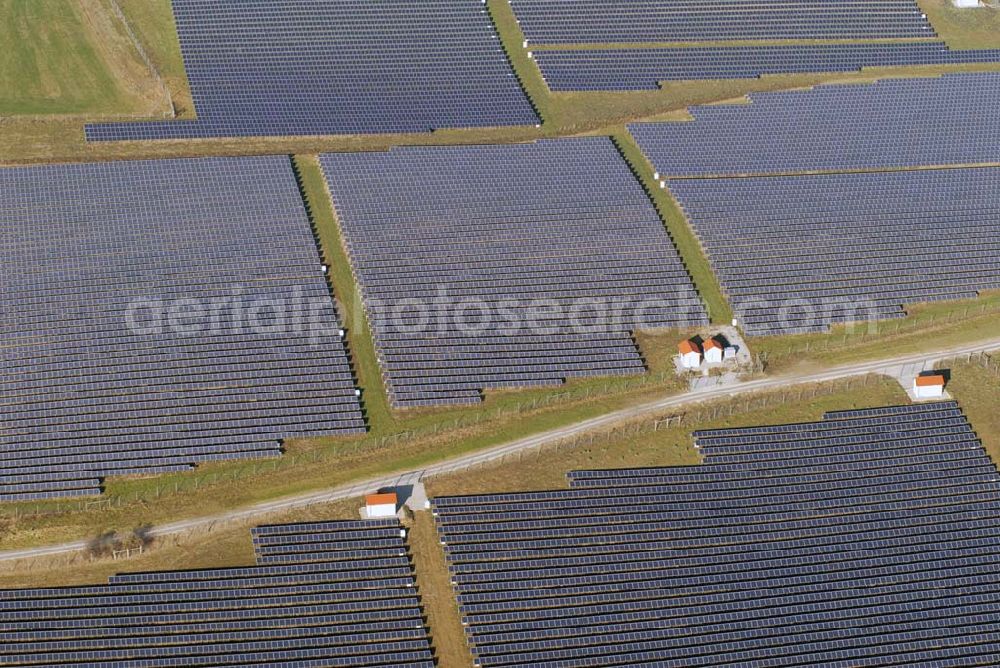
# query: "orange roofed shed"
{"points": [[381, 505], [690, 353], [929, 387], [713, 351], [688, 346]]}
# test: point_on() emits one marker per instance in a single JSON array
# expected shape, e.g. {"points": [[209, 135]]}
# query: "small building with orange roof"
{"points": [[929, 387], [690, 354], [381, 505], [714, 351]]}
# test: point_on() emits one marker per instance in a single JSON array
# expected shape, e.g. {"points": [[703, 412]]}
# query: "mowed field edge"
{"points": [[72, 59]]}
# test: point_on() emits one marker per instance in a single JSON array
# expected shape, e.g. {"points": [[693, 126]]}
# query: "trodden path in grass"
{"points": [[886, 365]]}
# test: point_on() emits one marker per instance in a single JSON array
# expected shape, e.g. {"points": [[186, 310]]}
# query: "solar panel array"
{"points": [[318, 67], [869, 538], [889, 124], [107, 368], [488, 267], [790, 250], [604, 21], [322, 594], [644, 69]]}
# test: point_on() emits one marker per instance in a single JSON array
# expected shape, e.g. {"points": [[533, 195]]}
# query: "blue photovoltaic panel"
{"points": [[320, 67], [320, 608], [798, 253], [167, 313], [891, 123], [871, 537], [634, 21], [644, 69], [490, 267]]}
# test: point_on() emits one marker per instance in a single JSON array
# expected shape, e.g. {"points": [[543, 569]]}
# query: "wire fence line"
{"points": [[627, 421], [885, 329], [144, 55], [723, 401], [194, 481], [709, 411]]}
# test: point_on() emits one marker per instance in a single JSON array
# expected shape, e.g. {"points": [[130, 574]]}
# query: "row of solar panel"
{"points": [[602, 22], [337, 67], [920, 538], [488, 223], [759, 498], [874, 245], [890, 574], [695, 534], [351, 612], [624, 69], [933, 122], [90, 393]]}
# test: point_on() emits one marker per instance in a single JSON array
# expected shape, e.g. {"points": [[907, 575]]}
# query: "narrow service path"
{"points": [[885, 366]]}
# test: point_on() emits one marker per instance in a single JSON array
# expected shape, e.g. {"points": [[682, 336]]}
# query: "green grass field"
{"points": [[964, 28], [680, 231], [223, 546], [977, 389], [935, 324], [153, 23], [70, 58]]}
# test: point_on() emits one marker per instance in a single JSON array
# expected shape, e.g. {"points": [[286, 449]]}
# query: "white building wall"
{"points": [[382, 510], [928, 391], [691, 360]]}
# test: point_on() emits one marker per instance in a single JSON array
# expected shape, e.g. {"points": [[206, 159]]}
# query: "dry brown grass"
{"points": [[437, 596], [927, 326], [963, 28], [71, 60], [977, 390], [222, 546], [668, 446]]}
